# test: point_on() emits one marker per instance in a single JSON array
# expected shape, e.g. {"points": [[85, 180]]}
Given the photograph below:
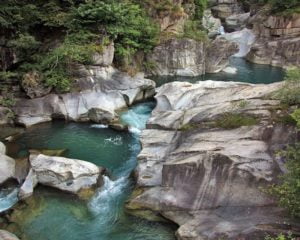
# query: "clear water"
{"points": [[246, 72], [60, 216]]}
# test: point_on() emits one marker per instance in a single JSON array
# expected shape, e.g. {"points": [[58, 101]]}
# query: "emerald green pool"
{"points": [[246, 72], [55, 215]]}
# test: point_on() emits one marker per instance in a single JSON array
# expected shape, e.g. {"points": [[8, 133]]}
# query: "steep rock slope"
{"points": [[209, 179]]}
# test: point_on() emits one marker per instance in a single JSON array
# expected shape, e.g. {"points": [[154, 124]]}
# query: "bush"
{"points": [[232, 120], [280, 237], [288, 192], [192, 30], [290, 93]]}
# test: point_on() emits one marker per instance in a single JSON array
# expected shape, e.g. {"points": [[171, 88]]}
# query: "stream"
{"points": [[55, 215]]}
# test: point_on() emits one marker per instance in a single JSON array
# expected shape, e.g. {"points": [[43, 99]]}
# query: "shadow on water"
{"points": [[58, 216], [246, 72]]}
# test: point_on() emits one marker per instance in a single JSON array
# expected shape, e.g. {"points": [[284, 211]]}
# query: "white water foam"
{"points": [[99, 126]]}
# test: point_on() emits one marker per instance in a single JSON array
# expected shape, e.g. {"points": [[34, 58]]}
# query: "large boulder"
{"points": [[237, 22], [5, 235], [66, 174], [224, 8], [211, 24], [7, 165], [205, 176], [277, 39], [102, 88], [218, 53]]}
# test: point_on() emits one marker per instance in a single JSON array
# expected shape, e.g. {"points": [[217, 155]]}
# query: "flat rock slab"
{"points": [[66, 174]]}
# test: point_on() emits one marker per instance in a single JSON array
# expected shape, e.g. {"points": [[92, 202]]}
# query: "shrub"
{"points": [[296, 116], [192, 30], [288, 191], [232, 120], [280, 237], [290, 92]]}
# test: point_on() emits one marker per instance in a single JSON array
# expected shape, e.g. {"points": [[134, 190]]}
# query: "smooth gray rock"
{"points": [[26, 190], [106, 57], [7, 165], [63, 173], [103, 88], [205, 178], [5, 235]]}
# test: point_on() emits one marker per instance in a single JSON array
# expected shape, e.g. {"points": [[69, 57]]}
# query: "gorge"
{"points": [[179, 141]]}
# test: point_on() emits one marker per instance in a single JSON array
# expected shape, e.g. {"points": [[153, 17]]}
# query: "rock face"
{"points": [[5, 235], [225, 8], [106, 57], [205, 178], [278, 39], [211, 24], [7, 165], [32, 84], [63, 173], [187, 57], [6, 116], [236, 22], [103, 89], [218, 53]]}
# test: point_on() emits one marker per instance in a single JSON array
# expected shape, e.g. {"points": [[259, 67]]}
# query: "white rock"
{"points": [[63, 173]]}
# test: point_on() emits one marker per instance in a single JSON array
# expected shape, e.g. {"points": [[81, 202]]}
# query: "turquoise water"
{"points": [[246, 72], [61, 216]]}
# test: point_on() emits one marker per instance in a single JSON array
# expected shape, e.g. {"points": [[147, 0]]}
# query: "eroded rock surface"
{"points": [[102, 89], [209, 179], [7, 165], [66, 174]]}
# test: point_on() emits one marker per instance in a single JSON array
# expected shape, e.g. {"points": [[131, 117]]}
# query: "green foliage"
{"points": [[296, 116], [83, 27], [233, 120], [200, 6], [192, 30], [8, 101], [280, 237], [290, 92], [279, 5], [288, 192]]}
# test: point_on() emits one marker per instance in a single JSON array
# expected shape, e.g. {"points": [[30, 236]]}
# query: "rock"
{"points": [[184, 57], [205, 177], [28, 186], [101, 115], [211, 24], [5, 235], [277, 39], [21, 169], [218, 53], [7, 165], [245, 40], [49, 152], [33, 85], [105, 58], [6, 116], [103, 88], [70, 175], [2, 148], [8, 57], [236, 22], [222, 9]]}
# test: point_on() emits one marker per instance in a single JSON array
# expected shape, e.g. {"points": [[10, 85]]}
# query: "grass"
{"points": [[233, 120]]}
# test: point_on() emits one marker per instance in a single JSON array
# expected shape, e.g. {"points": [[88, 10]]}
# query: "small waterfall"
{"points": [[244, 38], [8, 198], [109, 198]]}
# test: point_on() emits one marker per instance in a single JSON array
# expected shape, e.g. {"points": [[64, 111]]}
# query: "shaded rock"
{"points": [[278, 39], [33, 85], [218, 53], [7, 165], [211, 24], [5, 235], [49, 152], [222, 9], [21, 169], [66, 174], [184, 57], [105, 58], [101, 115], [6, 116], [237, 22]]}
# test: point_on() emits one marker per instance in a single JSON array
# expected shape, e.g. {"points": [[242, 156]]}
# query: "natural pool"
{"points": [[60, 216], [246, 72]]}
